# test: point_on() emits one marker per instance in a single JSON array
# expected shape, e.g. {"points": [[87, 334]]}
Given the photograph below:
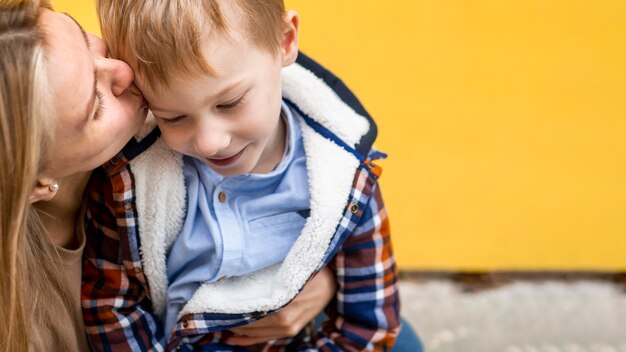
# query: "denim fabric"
{"points": [[407, 340]]}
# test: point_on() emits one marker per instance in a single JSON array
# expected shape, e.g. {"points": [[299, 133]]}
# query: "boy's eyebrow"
{"points": [[228, 89], [222, 93]]}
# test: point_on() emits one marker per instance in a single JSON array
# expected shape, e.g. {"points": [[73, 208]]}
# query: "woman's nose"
{"points": [[113, 72], [97, 45], [116, 73]]}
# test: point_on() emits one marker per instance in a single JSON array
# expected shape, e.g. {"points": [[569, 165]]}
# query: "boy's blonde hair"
{"points": [[161, 39]]}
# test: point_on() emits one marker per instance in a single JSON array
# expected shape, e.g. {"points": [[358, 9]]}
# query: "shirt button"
{"points": [[222, 197], [115, 160], [185, 324]]}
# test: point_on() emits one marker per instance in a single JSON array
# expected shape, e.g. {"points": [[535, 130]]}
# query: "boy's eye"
{"points": [[172, 120], [231, 105]]}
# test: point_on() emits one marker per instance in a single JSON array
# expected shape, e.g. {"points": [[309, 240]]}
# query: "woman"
{"points": [[65, 109], [51, 139]]}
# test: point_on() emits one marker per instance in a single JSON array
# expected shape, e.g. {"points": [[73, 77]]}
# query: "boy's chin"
{"points": [[230, 171]]}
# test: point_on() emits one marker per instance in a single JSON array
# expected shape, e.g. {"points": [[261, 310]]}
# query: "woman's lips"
{"points": [[226, 161]]}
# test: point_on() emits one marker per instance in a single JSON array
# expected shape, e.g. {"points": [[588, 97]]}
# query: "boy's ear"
{"points": [[289, 41]]}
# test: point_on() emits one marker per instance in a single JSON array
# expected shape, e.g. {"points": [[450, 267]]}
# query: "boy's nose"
{"points": [[211, 142]]}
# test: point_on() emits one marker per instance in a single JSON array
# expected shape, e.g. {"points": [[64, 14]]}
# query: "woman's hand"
{"points": [[288, 321]]}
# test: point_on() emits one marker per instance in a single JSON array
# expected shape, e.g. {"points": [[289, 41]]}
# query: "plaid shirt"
{"points": [[364, 315]]}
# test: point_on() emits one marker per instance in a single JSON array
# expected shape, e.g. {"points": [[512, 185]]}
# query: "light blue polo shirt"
{"points": [[237, 225]]}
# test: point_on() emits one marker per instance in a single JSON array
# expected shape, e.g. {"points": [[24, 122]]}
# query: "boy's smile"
{"points": [[225, 161]]}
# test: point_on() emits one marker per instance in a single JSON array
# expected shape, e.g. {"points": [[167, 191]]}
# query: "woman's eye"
{"points": [[231, 105], [100, 107]]}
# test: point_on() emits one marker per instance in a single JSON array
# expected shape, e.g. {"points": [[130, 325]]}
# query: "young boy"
{"points": [[276, 183]]}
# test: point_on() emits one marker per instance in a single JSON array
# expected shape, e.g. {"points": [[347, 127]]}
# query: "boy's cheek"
{"points": [[173, 140]]}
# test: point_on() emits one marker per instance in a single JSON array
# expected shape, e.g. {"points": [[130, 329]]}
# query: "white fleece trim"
{"points": [[160, 194], [317, 100], [148, 125]]}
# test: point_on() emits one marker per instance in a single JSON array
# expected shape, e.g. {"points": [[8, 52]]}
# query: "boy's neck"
{"points": [[276, 147]]}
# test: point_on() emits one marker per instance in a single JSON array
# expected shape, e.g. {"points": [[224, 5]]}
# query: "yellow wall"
{"points": [[505, 122]]}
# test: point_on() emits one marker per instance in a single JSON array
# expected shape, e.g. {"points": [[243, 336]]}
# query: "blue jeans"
{"points": [[407, 340]]}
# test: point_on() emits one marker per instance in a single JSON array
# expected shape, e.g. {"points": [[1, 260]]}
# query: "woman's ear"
{"points": [[289, 40], [45, 189]]}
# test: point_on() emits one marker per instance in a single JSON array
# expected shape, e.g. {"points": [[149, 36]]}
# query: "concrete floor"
{"points": [[521, 316]]}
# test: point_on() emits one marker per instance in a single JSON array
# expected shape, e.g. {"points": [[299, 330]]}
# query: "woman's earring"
{"points": [[54, 187]]}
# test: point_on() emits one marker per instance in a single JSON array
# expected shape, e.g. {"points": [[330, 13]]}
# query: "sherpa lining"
{"points": [[161, 203]]}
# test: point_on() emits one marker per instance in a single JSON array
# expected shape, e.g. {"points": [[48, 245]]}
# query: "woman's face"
{"points": [[96, 105]]}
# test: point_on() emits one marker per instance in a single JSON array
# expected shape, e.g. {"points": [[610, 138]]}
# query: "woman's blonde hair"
{"points": [[161, 40], [29, 265]]}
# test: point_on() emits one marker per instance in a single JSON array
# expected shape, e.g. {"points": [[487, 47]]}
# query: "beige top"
{"points": [[65, 325]]}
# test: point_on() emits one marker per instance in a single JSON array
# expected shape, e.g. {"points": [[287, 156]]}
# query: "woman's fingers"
{"points": [[267, 332], [288, 322], [248, 341]]}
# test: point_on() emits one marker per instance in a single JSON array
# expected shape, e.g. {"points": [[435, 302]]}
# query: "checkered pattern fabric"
{"points": [[363, 316]]}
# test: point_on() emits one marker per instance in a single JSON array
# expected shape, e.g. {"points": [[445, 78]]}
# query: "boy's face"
{"points": [[231, 121]]}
